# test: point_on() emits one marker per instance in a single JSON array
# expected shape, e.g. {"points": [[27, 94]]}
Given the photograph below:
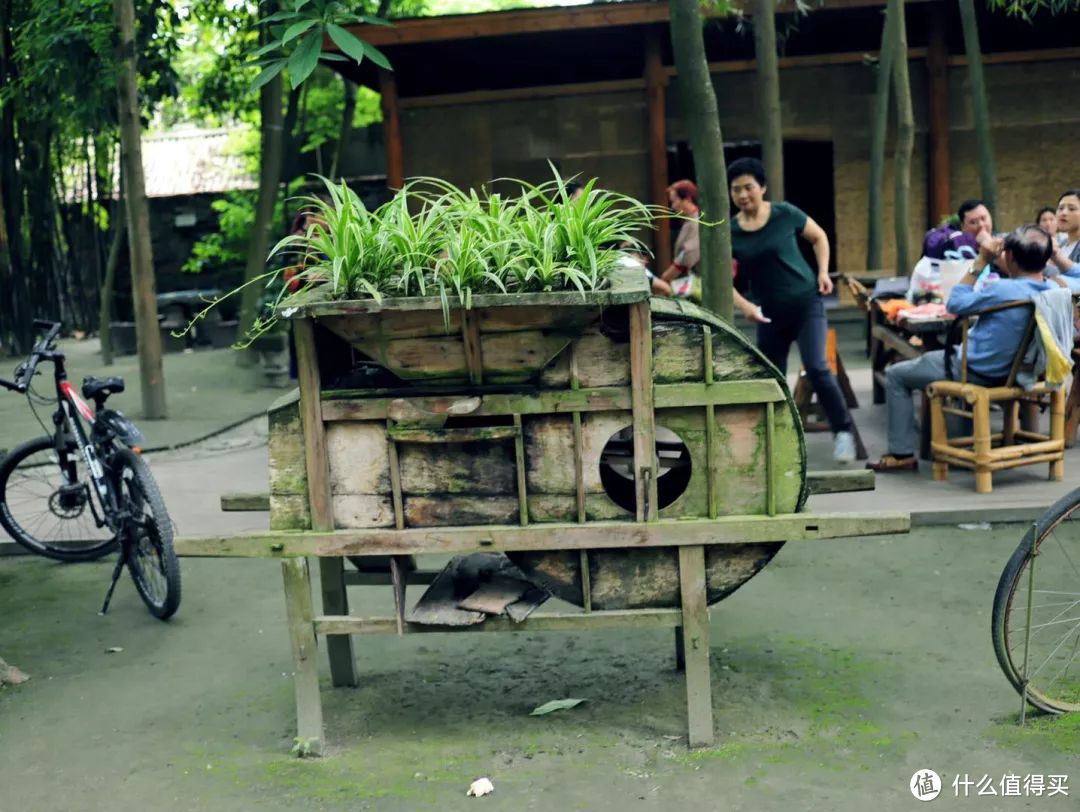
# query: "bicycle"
{"points": [[77, 496], [1036, 618]]}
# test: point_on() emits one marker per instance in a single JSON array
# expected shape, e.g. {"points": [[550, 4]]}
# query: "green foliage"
{"points": [[297, 33], [1029, 8]]}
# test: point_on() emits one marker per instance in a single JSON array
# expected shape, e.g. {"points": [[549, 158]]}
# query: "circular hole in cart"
{"points": [[617, 468]]}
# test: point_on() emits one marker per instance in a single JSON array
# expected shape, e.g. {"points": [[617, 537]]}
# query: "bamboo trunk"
{"points": [[345, 134], [109, 286], [768, 96], [905, 137], [979, 105], [148, 335], [701, 114]]}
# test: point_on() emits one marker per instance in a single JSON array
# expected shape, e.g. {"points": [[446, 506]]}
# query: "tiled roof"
{"points": [[194, 162]]}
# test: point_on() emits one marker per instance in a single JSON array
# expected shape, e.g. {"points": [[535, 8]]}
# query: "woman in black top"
{"points": [[790, 308]]}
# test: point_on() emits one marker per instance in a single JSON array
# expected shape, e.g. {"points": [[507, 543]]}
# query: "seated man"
{"points": [[992, 342]]}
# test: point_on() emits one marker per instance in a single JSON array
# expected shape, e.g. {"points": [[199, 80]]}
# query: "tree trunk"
{"points": [[347, 116], [979, 106], [147, 332], [768, 96], [702, 119], [879, 129], [905, 137], [108, 287]]}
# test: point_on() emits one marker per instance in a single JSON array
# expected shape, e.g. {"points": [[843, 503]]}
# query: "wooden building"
{"points": [[594, 90]]}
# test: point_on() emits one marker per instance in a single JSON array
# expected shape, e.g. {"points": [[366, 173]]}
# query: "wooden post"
{"points": [[641, 397], [300, 618], [980, 410], [937, 69], [395, 151], [695, 624], [939, 434], [656, 90], [1057, 432], [335, 601]]}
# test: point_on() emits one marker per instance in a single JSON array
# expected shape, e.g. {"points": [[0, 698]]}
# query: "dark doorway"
{"points": [[808, 178]]}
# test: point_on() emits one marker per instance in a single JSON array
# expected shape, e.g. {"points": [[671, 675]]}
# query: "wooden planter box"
{"points": [[511, 413]]}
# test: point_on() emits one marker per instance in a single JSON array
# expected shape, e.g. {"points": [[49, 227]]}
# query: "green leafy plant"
{"points": [[433, 239], [298, 34], [303, 747]]}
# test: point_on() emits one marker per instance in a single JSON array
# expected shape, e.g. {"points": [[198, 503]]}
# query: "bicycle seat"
{"points": [[101, 388]]}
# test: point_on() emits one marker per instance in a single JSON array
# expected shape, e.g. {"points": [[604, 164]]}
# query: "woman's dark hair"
{"points": [[1030, 246], [747, 166], [1045, 210], [1069, 193]]}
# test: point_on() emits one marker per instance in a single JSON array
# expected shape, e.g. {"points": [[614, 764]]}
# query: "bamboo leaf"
{"points": [[296, 30], [268, 73], [356, 47], [555, 705], [305, 58]]}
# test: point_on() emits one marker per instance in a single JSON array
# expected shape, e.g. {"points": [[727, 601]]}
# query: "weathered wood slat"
{"points": [[695, 648], [820, 482], [299, 616], [539, 622], [599, 535], [473, 434], [245, 502], [642, 400], [335, 599], [355, 405]]}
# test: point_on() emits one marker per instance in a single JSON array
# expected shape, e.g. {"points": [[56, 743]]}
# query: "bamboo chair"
{"points": [[985, 451]]}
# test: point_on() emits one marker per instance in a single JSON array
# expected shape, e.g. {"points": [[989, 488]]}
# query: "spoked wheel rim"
{"points": [[1052, 665], [147, 558], [43, 507]]}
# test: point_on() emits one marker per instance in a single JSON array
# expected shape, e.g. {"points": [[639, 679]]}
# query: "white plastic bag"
{"points": [[925, 279]]}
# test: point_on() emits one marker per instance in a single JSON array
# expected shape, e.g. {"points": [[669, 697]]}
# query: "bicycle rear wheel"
{"points": [[1051, 666], [151, 557], [48, 513]]}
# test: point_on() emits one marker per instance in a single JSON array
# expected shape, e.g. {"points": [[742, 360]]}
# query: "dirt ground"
{"points": [[839, 671]]}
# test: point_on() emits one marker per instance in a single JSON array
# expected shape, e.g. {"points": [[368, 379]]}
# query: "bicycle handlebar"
{"points": [[24, 373]]}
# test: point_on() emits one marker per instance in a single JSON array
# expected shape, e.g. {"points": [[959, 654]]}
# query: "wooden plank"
{"points": [[819, 482], [695, 626], [356, 578], [474, 356], [523, 94], [553, 536], [519, 466], [579, 465], [395, 149], [300, 617], [473, 434], [641, 397], [345, 405], [894, 341], [245, 502], [540, 622], [395, 480], [770, 462], [335, 599], [711, 451], [655, 88]]}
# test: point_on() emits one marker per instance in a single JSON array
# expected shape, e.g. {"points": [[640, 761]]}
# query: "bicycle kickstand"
{"points": [[119, 568]]}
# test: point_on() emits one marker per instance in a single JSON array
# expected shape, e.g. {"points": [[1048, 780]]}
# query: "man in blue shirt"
{"points": [[992, 342]]}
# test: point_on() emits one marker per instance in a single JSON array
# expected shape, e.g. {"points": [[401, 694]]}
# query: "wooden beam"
{"points": [[537, 21], [566, 401], [695, 637], [937, 68], [299, 616], [523, 93], [819, 482], [553, 536], [320, 501], [655, 88], [539, 622], [391, 110]]}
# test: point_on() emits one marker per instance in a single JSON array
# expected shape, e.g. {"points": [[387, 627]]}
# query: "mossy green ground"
{"points": [[839, 671]]}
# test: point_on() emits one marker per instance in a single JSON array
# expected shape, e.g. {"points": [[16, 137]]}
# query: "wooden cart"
{"points": [[636, 457]]}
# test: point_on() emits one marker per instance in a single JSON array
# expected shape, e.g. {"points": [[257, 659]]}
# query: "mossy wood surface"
{"points": [[506, 450]]}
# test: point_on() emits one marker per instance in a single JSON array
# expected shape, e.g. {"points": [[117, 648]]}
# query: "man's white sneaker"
{"points": [[843, 449]]}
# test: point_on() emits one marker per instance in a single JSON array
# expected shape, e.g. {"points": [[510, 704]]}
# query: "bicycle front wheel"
{"points": [[1043, 654], [48, 503], [151, 557]]}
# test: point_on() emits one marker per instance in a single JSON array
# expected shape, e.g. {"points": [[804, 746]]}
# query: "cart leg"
{"points": [[299, 616], [335, 601], [695, 628]]}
